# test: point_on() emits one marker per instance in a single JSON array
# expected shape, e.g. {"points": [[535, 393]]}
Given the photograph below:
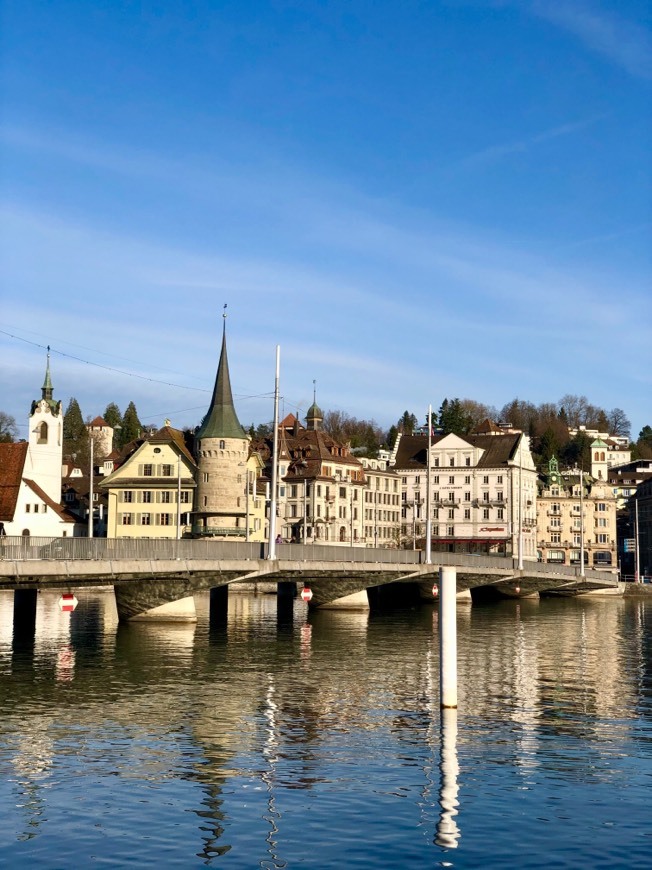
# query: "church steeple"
{"points": [[47, 389], [221, 420]]}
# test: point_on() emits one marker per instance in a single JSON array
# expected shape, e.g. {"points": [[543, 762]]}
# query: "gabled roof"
{"points": [[61, 512], [12, 462], [497, 449], [175, 436]]}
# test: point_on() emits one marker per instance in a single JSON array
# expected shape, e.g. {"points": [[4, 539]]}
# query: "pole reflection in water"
{"points": [[447, 831], [270, 755]]}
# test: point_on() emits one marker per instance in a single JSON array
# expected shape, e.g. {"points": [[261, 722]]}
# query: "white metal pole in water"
{"points": [[428, 492], [448, 636], [272, 507]]}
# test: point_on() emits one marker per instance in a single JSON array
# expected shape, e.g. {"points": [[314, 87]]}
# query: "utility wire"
{"points": [[121, 371]]}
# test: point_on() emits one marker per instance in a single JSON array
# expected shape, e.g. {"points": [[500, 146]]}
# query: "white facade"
{"points": [[482, 493]]}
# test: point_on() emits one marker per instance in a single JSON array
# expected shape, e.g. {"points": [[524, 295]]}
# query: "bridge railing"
{"points": [[63, 549]]}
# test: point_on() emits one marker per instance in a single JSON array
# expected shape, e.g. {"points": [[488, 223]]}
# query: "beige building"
{"points": [[382, 504], [483, 492], [150, 493], [321, 486], [575, 511]]}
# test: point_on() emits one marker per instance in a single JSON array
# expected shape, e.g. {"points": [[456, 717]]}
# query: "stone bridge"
{"points": [[156, 579]]}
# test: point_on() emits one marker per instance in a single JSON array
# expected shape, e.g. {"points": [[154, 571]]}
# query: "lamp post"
{"points": [[428, 504], [178, 496], [272, 513], [520, 504], [90, 489]]}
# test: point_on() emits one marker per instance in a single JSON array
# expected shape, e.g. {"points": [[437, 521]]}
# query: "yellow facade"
{"points": [[151, 493]]}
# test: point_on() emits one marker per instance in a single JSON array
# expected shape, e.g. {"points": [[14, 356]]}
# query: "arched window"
{"points": [[602, 456], [42, 433], [26, 533], [597, 456], [222, 445], [342, 533]]}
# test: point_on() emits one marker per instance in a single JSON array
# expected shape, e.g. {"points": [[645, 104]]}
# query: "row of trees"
{"points": [[126, 427]]}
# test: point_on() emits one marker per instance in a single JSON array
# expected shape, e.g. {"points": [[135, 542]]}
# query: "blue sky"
{"points": [[413, 200]]}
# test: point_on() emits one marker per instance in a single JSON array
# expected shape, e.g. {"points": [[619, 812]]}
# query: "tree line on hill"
{"points": [[547, 426]]}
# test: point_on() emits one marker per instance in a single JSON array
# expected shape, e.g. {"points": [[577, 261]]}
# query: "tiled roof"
{"points": [[167, 434], [498, 449], [12, 462], [57, 508], [99, 421]]}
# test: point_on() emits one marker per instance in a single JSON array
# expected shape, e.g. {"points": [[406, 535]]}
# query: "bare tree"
{"points": [[8, 428]]}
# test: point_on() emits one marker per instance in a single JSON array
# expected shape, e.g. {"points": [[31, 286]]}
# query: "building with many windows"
{"points": [[150, 493], [574, 511], [482, 492], [382, 504], [321, 484]]}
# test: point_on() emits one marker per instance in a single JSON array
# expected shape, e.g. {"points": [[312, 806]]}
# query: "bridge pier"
{"points": [[354, 601], [152, 600]]}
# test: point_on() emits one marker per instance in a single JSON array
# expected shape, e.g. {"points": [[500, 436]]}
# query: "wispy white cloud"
{"points": [[494, 153], [623, 42]]}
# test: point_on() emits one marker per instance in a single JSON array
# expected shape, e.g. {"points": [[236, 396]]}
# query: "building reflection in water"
{"points": [[279, 693]]}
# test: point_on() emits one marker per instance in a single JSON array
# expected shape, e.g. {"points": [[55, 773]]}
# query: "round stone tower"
{"points": [[222, 449]]}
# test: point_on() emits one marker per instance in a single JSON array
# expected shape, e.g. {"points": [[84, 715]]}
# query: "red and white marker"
{"points": [[435, 591], [68, 602], [517, 589], [306, 593]]}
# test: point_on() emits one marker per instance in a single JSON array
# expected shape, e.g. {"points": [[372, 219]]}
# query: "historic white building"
{"points": [[483, 492], [30, 474]]}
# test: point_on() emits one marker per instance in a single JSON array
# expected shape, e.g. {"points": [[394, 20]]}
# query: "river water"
{"points": [[285, 739]]}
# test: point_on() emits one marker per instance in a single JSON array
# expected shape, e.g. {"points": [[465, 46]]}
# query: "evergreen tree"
{"points": [[75, 434], [407, 423], [131, 425], [454, 418], [112, 415], [390, 438]]}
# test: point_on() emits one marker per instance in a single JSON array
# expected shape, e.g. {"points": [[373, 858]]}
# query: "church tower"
{"points": [[314, 414], [45, 452], [222, 449]]}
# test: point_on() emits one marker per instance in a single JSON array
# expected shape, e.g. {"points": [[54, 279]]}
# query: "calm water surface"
{"points": [[282, 740]]}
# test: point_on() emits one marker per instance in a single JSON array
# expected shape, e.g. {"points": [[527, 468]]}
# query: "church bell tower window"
{"points": [[42, 433]]}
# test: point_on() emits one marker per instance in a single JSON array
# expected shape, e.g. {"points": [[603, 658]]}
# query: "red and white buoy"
{"points": [[68, 602], [306, 593]]}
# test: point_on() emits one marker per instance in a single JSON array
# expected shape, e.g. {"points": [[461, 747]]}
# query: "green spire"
{"points": [[47, 389], [221, 421]]}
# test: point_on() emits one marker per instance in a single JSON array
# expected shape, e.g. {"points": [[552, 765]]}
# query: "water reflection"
{"points": [[343, 704], [447, 832]]}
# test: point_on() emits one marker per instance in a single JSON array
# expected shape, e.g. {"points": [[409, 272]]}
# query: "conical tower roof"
{"points": [[221, 421]]}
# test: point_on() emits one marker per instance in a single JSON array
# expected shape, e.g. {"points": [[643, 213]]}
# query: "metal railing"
{"points": [[19, 549]]}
